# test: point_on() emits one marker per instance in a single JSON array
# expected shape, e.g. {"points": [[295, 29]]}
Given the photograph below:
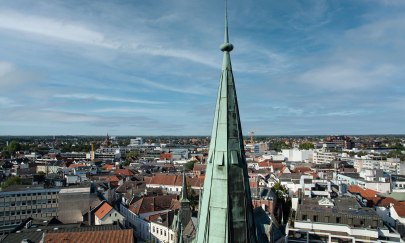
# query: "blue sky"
{"points": [[152, 67]]}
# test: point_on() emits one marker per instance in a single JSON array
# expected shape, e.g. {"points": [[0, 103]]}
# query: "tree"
{"points": [[132, 156], [13, 180], [283, 205], [5, 154], [190, 165], [13, 147], [279, 145], [306, 146]]}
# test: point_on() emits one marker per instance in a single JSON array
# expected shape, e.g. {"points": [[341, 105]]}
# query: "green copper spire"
{"points": [[226, 212], [183, 196]]}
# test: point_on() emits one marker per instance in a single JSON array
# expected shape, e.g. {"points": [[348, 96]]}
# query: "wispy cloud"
{"points": [[7, 103], [53, 28], [197, 90], [105, 98]]}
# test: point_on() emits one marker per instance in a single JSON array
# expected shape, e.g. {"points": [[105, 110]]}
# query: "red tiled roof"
{"points": [[175, 180], [382, 202], [111, 178], [147, 179], [175, 204], [365, 193], [152, 204], [110, 236], [76, 165], [123, 172], [354, 189], [163, 180], [103, 210], [199, 167], [400, 209], [108, 167], [300, 169], [264, 164]]}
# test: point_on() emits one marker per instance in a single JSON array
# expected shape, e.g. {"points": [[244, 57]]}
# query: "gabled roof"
{"points": [[175, 180], [108, 167], [123, 172], [199, 167], [400, 209], [103, 210], [110, 236], [301, 169], [152, 204], [76, 165], [365, 193]]}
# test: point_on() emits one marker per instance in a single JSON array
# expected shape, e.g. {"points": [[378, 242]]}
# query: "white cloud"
{"points": [[80, 96], [7, 102], [198, 90], [5, 68], [53, 28], [79, 33]]}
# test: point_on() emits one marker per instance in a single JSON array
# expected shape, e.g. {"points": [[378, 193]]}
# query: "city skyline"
{"points": [[152, 68]]}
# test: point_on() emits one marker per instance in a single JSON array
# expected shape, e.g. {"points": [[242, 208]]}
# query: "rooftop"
{"points": [[111, 236], [103, 210]]}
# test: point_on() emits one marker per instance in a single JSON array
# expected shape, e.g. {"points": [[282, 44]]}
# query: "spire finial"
{"points": [[226, 46], [226, 38]]}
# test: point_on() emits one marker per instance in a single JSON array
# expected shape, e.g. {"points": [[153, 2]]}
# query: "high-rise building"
{"points": [[226, 212]]}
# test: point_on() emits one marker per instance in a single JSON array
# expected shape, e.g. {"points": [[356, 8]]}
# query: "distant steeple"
{"points": [[226, 212], [185, 209], [183, 197]]}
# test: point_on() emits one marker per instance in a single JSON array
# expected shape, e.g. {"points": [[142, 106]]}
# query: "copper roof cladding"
{"points": [[108, 236]]}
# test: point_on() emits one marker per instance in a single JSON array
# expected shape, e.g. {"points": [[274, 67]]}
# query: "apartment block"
{"points": [[18, 203]]}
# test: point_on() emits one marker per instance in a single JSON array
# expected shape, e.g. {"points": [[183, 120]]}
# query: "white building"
{"points": [[105, 214], [376, 162], [321, 157], [298, 155]]}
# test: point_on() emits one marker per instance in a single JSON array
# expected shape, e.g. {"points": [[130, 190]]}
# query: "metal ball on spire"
{"points": [[226, 47]]}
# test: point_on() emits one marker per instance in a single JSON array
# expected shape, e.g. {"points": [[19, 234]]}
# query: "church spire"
{"points": [[183, 197], [226, 212]]}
